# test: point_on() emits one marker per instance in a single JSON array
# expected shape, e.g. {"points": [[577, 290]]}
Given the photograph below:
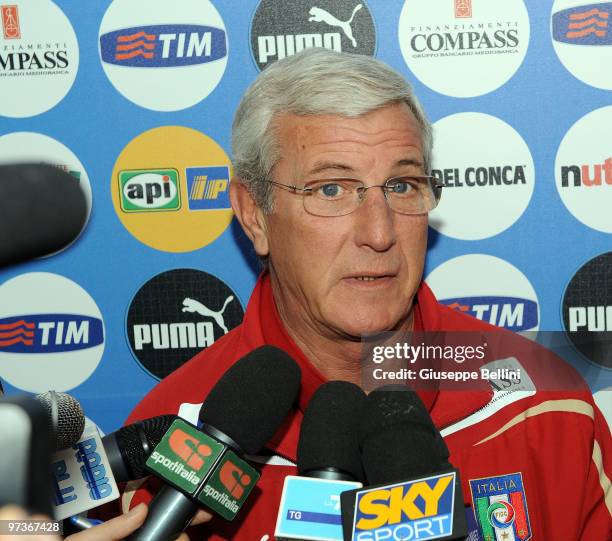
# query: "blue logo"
{"points": [[418, 510], [163, 46], [590, 24], [511, 313], [208, 187], [49, 333], [310, 508]]}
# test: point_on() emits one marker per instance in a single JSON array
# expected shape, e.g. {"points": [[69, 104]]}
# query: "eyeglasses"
{"points": [[341, 196]]}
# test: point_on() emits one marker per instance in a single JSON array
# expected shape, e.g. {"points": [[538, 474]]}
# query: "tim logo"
{"points": [[190, 449], [512, 313], [417, 510], [463, 9], [584, 25], [163, 46], [208, 188], [49, 333], [10, 22], [234, 479]]}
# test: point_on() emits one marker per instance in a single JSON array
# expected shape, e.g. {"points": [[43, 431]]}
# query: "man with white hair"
{"points": [[332, 185]]}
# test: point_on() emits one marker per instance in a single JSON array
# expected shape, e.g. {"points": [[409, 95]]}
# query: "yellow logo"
{"points": [[387, 506], [159, 169]]}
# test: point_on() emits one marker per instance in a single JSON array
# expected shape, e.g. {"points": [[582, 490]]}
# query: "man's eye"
{"points": [[401, 187], [330, 190]]}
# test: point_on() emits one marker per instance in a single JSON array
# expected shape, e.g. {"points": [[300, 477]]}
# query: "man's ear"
{"points": [[250, 216]]}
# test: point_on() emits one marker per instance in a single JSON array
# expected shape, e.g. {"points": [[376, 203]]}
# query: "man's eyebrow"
{"points": [[320, 167], [410, 161]]}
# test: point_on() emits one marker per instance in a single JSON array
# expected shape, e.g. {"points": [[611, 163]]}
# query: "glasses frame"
{"points": [[433, 183]]}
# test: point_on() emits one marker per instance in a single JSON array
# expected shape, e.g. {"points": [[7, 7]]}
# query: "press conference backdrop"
{"points": [[135, 99]]}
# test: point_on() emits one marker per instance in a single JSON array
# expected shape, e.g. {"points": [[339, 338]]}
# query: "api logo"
{"points": [[415, 510], [149, 190], [208, 187], [512, 313], [590, 24], [163, 45], [500, 506], [49, 333]]}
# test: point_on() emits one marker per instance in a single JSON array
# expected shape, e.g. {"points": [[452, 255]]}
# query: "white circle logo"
{"points": [[163, 58], [51, 333], [29, 147], [487, 172], [490, 289], [581, 32], [583, 169], [466, 48], [39, 57]]}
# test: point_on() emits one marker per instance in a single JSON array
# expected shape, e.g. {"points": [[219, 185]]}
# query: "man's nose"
{"points": [[375, 221]]}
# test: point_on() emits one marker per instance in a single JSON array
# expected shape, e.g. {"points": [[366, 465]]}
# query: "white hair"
{"points": [[313, 82]]}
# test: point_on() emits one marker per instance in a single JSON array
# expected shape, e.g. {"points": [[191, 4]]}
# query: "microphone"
{"points": [[328, 463], [65, 417], [25, 447], [413, 492], [88, 478], [43, 209], [203, 466], [129, 447]]}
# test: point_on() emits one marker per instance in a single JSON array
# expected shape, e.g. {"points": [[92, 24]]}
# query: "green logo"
{"points": [[149, 190], [229, 485], [184, 456]]}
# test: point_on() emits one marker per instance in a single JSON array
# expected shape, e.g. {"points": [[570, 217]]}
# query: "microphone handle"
{"points": [[170, 512]]}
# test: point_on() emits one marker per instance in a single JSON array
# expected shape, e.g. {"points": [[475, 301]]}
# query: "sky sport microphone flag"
{"points": [[203, 468], [419, 510], [414, 491]]}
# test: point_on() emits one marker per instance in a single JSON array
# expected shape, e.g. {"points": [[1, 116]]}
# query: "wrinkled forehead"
{"points": [[392, 133]]}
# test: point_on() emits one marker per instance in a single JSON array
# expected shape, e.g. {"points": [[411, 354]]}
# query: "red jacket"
{"points": [[557, 440]]}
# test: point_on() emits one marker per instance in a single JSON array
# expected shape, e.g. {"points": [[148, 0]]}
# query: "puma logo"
{"points": [[319, 15], [191, 305]]}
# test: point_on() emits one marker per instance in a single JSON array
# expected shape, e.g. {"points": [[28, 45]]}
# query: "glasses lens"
{"points": [[411, 195], [331, 197]]}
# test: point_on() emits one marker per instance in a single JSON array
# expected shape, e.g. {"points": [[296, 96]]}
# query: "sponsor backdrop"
{"points": [[135, 99]]}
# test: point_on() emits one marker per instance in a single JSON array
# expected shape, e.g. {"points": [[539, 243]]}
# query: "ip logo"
{"points": [[208, 188]]}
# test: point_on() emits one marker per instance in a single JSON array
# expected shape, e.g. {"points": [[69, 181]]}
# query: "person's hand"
{"points": [[123, 525]]}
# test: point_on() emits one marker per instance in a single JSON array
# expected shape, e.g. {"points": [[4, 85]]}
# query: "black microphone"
{"points": [[26, 444], [88, 478], [328, 462], [241, 413], [42, 210], [413, 491], [128, 448]]}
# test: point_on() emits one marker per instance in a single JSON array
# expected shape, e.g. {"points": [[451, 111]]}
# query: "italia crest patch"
{"points": [[500, 507]]}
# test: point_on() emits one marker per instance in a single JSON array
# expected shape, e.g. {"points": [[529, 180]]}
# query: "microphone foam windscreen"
{"points": [[398, 438], [42, 210], [329, 433], [66, 417], [134, 439], [252, 398]]}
